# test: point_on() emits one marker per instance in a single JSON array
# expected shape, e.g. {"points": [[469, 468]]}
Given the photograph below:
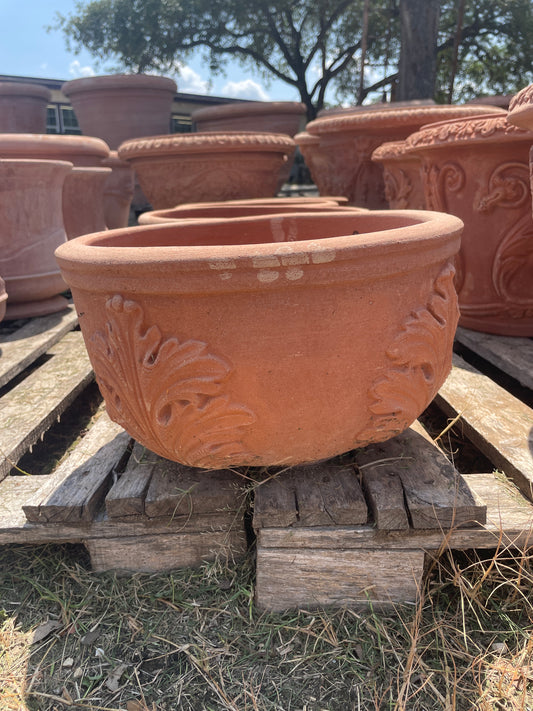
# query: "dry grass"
{"points": [[193, 640]]}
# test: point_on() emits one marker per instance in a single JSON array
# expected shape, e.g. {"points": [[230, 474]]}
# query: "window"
{"points": [[52, 119], [69, 122], [180, 123]]}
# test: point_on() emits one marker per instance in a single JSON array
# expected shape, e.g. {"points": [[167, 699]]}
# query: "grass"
{"points": [[193, 640]]}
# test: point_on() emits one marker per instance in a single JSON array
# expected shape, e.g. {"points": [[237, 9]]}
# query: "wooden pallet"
{"points": [[355, 528]]}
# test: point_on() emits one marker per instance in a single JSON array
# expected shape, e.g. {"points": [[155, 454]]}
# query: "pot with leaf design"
{"points": [[477, 169], [401, 176], [271, 340]]}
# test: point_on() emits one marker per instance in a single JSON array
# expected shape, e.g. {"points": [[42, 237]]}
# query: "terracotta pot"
{"points": [[32, 227], [23, 107], [501, 100], [3, 298], [269, 340], [521, 109], [220, 210], [477, 168], [347, 141], [202, 167], [122, 106], [118, 191], [265, 116], [83, 201], [401, 175]]}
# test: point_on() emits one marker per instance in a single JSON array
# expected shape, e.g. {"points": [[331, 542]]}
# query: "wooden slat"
{"points": [[22, 347], [498, 424], [437, 496], [28, 410], [164, 551], [317, 578], [178, 490], [384, 493], [512, 355], [319, 494], [126, 497], [78, 485]]}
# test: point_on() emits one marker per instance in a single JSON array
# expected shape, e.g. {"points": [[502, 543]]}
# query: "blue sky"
{"points": [[27, 49]]}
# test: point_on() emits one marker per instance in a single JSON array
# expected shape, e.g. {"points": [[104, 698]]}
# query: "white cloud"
{"points": [[245, 89], [190, 82], [76, 70]]}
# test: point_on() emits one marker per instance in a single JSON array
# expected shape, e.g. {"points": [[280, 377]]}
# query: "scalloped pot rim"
{"points": [[402, 117], [422, 237]]}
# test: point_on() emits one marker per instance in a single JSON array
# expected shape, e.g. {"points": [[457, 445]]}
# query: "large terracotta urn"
{"points": [[83, 200], [265, 116], [118, 191], [203, 167], [401, 176], [121, 106], [348, 138], [271, 340], [31, 229], [477, 169], [23, 107], [225, 210]]}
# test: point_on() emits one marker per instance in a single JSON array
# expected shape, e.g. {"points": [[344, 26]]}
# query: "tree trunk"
{"points": [[418, 54]]}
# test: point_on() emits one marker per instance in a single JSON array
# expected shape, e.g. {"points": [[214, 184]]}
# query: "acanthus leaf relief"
{"points": [[419, 362], [508, 187], [512, 269], [160, 386]]}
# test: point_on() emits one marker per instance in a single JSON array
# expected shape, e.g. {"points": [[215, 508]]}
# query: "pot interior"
{"points": [[258, 230]]}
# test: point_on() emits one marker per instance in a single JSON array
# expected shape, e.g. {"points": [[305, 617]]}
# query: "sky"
{"points": [[27, 49]]}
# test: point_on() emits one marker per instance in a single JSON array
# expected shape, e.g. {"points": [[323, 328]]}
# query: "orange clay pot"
{"points": [[122, 106], [347, 140], [221, 210], [270, 340], [401, 175], [265, 116], [477, 169], [203, 167], [32, 227], [23, 107]]}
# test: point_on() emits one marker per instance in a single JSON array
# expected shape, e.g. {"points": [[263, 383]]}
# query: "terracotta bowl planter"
{"points": [[3, 298], [270, 340], [83, 200], [225, 211], [31, 229], [23, 107], [122, 106], [265, 116], [347, 141], [401, 175], [118, 191], [477, 168], [203, 167]]}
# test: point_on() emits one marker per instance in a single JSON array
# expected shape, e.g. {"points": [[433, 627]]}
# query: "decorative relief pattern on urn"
{"points": [[419, 360], [508, 187], [398, 188], [512, 270], [170, 395]]}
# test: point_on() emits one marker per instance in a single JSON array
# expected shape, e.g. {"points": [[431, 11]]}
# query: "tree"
{"points": [[309, 44], [417, 70]]}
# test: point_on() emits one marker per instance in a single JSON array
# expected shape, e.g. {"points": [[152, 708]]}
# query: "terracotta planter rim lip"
{"points": [[114, 82], [521, 108], [390, 150], [93, 169], [167, 214], [166, 145], [304, 137], [37, 162], [425, 226], [391, 117], [12, 144], [482, 128], [36, 91], [249, 108]]}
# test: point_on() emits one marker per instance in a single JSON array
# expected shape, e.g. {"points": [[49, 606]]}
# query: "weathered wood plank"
{"points": [[318, 578], [126, 497], [319, 494], [512, 355], [498, 424], [178, 490], [21, 348], [436, 494], [78, 485], [28, 410], [384, 493], [164, 551]]}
